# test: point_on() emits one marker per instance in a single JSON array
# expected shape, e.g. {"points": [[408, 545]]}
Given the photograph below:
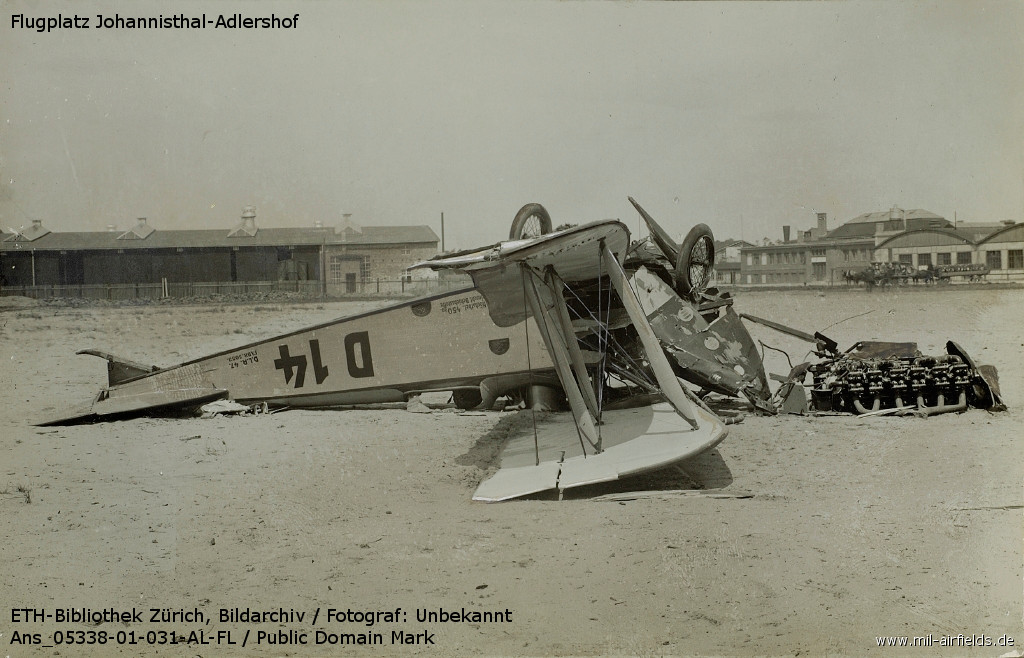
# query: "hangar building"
{"points": [[917, 238], [146, 262]]}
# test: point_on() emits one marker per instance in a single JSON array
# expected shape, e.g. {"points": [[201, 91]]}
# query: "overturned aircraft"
{"points": [[557, 311], [610, 324], [450, 342]]}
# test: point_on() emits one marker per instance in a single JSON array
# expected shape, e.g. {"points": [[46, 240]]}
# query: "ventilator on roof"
{"points": [[34, 232], [247, 228], [140, 231]]}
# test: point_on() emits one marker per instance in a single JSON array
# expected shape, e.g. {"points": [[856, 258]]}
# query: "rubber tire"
{"points": [[524, 215], [467, 398], [682, 272]]}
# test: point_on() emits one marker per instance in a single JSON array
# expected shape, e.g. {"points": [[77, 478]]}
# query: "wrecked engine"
{"points": [[879, 377]]}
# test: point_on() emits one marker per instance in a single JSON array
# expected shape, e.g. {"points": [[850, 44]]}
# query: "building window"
{"points": [[945, 258], [907, 258], [818, 271], [345, 269], [336, 275], [963, 258], [1015, 259], [817, 252], [924, 260], [750, 259], [994, 260]]}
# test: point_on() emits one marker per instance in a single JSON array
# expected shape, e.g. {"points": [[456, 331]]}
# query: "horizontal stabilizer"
{"points": [[153, 400], [119, 369], [80, 413], [105, 407]]}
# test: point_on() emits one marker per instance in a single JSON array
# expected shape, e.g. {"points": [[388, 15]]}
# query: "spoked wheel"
{"points": [[696, 262], [531, 221]]}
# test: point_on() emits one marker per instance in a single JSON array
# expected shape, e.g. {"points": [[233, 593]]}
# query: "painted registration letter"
{"points": [[362, 340]]}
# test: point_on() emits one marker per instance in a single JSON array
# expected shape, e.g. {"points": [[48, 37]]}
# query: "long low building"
{"points": [[916, 238], [355, 259], [1001, 249]]}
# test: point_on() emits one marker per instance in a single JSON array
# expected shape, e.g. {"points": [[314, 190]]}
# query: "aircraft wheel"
{"points": [[531, 221], [467, 398], [696, 261]]}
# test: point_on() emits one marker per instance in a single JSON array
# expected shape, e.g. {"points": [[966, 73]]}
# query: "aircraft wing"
{"points": [[531, 278], [574, 252]]}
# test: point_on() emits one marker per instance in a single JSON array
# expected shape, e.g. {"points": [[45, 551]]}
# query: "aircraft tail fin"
{"points": [[119, 369]]}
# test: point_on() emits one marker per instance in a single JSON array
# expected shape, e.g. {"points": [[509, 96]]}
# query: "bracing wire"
{"points": [[601, 345], [579, 434], [611, 339], [529, 368]]}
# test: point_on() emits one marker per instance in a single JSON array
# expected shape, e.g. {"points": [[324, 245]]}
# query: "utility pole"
{"points": [[442, 233]]}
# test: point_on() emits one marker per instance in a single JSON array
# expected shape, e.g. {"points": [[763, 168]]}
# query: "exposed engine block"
{"points": [[933, 384]]}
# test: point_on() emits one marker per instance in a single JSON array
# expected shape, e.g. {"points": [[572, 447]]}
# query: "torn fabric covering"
{"points": [[720, 356]]}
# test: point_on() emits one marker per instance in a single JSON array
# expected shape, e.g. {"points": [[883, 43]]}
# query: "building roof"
{"points": [[894, 220], [386, 235], [803, 245], [896, 213], [33, 232], [949, 232], [731, 242], [1007, 227], [211, 238], [979, 230]]}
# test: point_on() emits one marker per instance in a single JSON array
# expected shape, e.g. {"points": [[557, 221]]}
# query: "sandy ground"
{"points": [[856, 528]]}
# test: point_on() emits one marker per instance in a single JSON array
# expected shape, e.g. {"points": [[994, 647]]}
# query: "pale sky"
{"points": [[742, 116]]}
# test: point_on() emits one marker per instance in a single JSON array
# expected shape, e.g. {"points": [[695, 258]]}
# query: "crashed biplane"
{"points": [[611, 325], [582, 311], [446, 342]]}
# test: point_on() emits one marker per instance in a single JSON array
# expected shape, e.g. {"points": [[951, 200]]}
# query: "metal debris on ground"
{"points": [[415, 405], [226, 407]]}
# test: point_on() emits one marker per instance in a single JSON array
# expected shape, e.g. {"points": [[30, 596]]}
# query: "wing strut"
{"points": [[557, 345], [555, 287], [659, 364]]}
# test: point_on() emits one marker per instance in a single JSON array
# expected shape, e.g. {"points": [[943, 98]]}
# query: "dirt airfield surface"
{"points": [[853, 529]]}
